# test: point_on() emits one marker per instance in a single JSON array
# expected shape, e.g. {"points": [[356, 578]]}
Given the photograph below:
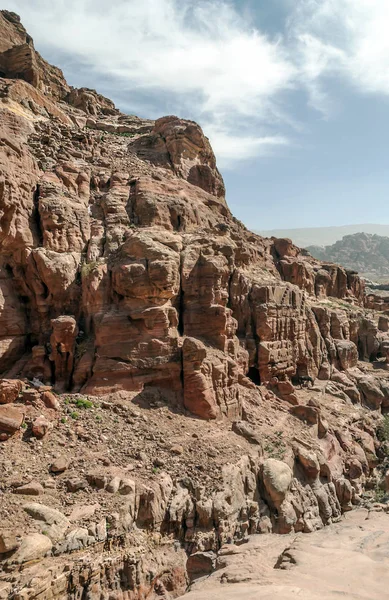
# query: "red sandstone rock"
{"points": [[50, 400], [114, 254], [41, 427], [11, 418], [9, 390], [182, 146], [30, 489]]}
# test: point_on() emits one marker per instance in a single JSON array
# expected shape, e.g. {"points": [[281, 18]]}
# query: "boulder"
{"points": [[308, 461], [371, 391], [74, 484], [11, 418], [200, 564], [33, 547], [50, 400], [59, 465], [9, 390], [277, 477], [347, 354], [242, 428], [33, 488], [309, 414], [31, 396], [40, 427], [83, 511], [54, 523], [383, 323], [8, 541]]}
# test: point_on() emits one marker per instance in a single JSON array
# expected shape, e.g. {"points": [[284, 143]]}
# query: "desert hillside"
{"points": [[363, 252], [325, 236], [170, 382]]}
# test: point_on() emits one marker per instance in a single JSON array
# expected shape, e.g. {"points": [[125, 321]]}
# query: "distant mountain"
{"points": [[363, 252], [324, 236]]}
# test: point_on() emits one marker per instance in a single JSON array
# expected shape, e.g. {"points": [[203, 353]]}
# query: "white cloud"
{"points": [[230, 148], [205, 60], [347, 38], [202, 53]]}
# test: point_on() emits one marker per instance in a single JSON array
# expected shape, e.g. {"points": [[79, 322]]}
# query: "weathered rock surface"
{"points": [[154, 352]]}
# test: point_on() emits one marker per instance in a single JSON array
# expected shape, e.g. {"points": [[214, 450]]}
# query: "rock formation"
{"points": [[366, 253], [150, 351]]}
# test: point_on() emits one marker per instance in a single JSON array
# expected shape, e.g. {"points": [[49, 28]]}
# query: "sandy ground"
{"points": [[348, 560]]}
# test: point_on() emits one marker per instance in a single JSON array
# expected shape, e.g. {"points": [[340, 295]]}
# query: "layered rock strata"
{"points": [[126, 282]]}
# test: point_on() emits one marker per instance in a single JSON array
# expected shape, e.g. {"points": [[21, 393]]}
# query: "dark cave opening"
{"points": [[36, 216], [254, 375]]}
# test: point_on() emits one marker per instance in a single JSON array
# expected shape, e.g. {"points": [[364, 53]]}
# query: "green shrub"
{"points": [[74, 415], [79, 402], [83, 403], [383, 430], [275, 447], [379, 494], [88, 267], [81, 348], [124, 134]]}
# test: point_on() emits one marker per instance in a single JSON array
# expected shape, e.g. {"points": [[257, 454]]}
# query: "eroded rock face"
{"points": [[181, 146], [20, 60], [122, 272], [136, 244]]}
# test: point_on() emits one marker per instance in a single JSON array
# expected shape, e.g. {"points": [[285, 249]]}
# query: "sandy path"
{"points": [[349, 560]]}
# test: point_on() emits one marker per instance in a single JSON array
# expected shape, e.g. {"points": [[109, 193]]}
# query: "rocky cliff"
{"points": [[150, 351]]}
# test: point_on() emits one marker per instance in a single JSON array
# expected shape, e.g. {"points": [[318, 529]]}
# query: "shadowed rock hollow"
{"points": [[150, 349]]}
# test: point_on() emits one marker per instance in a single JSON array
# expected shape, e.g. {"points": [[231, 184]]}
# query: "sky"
{"points": [[293, 94]]}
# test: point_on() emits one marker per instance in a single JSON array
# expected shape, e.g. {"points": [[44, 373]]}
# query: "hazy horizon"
{"points": [[325, 236]]}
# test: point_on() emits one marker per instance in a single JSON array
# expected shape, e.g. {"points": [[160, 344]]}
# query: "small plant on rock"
{"points": [[383, 430], [83, 403], [88, 267], [379, 494]]}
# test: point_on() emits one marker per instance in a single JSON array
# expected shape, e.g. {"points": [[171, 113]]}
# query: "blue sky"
{"points": [[293, 94]]}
